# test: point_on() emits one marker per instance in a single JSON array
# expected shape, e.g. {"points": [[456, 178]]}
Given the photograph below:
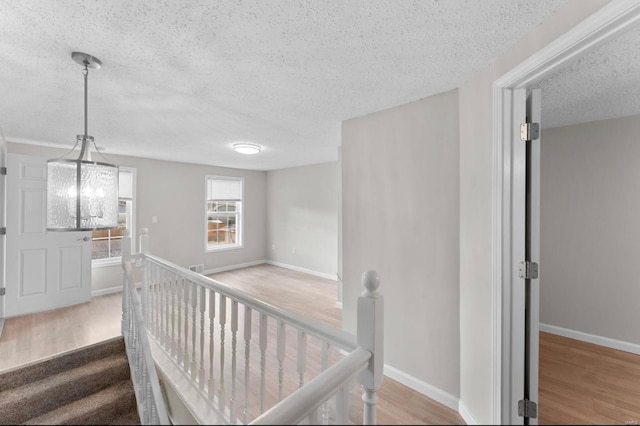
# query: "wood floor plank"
{"points": [[583, 383]]}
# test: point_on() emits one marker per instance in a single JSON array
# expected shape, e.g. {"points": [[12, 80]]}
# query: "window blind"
{"points": [[224, 189], [125, 183]]}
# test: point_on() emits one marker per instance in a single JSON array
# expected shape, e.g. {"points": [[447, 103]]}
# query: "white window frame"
{"points": [[114, 261], [239, 226]]}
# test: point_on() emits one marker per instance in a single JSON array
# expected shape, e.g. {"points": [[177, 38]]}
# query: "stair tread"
{"points": [[120, 394], [130, 418], [38, 370], [34, 399]]}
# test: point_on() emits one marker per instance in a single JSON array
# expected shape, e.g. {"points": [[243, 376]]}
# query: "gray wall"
{"points": [[302, 213], [589, 233], [400, 218], [174, 192], [476, 168]]}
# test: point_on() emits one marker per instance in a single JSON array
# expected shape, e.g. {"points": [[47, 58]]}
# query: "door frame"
{"points": [[3, 223], [604, 25]]}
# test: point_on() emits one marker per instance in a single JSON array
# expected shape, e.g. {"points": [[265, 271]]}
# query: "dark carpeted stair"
{"points": [[90, 385]]}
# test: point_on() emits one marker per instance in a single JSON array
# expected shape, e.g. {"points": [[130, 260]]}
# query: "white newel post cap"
{"points": [[144, 240], [126, 251], [371, 283]]}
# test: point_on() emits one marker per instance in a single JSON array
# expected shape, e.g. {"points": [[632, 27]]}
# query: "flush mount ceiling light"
{"points": [[246, 148], [82, 195]]}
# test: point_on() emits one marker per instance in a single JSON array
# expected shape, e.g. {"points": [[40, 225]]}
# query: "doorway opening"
{"points": [[509, 203]]}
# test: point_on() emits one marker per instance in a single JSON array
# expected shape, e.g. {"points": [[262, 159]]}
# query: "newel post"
{"points": [[144, 241], [370, 337], [144, 249], [126, 269]]}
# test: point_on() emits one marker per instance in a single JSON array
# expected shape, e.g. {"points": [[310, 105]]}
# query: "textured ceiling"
{"points": [[601, 85], [184, 80]]}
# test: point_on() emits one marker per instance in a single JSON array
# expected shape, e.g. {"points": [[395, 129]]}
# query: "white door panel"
{"points": [[44, 270]]}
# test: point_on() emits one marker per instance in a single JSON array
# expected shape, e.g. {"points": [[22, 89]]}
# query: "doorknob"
{"points": [[84, 239]]}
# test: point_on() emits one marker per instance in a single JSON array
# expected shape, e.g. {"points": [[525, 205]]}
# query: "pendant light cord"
{"points": [[83, 149], [85, 72]]}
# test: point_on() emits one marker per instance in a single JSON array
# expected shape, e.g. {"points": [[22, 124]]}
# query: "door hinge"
{"points": [[529, 131], [3, 231], [527, 408], [3, 170], [528, 270], [2, 291]]}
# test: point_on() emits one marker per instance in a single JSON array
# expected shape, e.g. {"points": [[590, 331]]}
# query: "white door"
{"points": [[44, 270], [525, 289]]}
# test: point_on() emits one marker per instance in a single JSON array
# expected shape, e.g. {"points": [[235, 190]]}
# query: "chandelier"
{"points": [[82, 195]]}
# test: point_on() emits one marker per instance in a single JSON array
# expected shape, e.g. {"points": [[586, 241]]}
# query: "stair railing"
{"points": [[149, 398], [189, 316]]}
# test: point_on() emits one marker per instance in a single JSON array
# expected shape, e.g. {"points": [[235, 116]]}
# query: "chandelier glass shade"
{"points": [[82, 195]]}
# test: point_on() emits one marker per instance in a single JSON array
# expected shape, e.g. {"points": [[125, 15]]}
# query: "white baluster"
{"points": [[342, 406], [165, 298], [203, 306], [187, 293], [247, 356], [180, 292], [173, 286], [324, 365], [154, 299], [281, 355], [370, 337], [234, 334], [146, 299], [212, 317], [149, 400], [222, 319], [263, 358], [156, 285], [194, 329], [302, 356], [126, 264]]}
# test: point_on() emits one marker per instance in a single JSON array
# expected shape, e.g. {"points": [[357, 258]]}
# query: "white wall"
{"points": [[302, 214], [174, 192], [400, 218], [476, 103], [590, 232]]}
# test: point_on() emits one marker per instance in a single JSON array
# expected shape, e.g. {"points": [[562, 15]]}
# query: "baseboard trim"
{"points": [[422, 387], [105, 291], [232, 267], [305, 270], [110, 290], [592, 338], [466, 416]]}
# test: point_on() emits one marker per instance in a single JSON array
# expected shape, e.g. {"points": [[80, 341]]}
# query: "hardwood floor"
{"points": [[31, 337], [580, 383]]}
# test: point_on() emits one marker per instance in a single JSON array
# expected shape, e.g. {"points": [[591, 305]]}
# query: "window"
{"points": [[106, 246], [223, 213]]}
